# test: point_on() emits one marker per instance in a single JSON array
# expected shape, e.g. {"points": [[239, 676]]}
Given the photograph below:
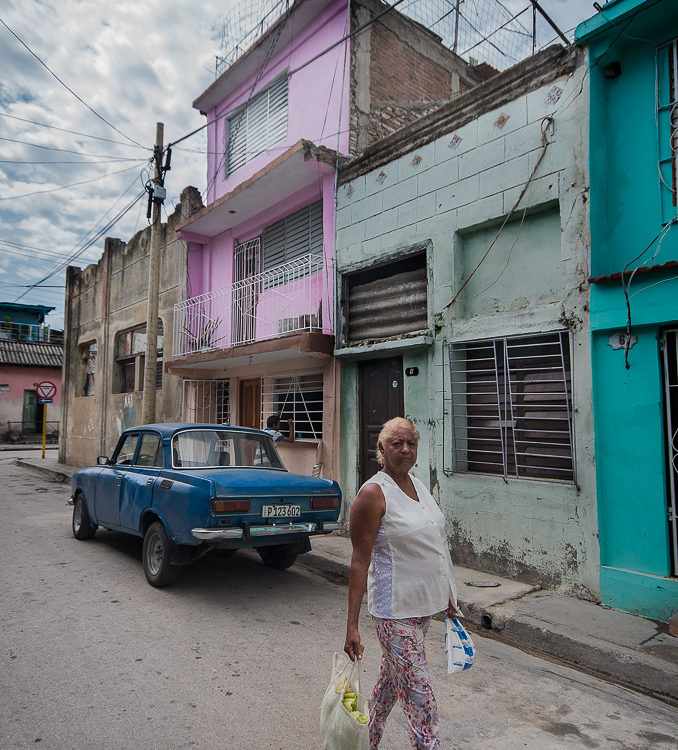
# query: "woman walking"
{"points": [[400, 551]]}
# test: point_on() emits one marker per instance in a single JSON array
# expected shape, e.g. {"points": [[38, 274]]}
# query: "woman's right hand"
{"points": [[353, 647]]}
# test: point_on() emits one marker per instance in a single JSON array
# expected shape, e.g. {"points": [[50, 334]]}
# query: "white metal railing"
{"points": [[31, 332], [295, 296]]}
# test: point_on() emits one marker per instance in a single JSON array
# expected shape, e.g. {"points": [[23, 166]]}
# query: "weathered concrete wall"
{"points": [[454, 188], [102, 300]]}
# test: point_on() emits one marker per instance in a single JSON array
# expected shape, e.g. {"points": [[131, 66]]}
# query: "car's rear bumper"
{"points": [[274, 529]]}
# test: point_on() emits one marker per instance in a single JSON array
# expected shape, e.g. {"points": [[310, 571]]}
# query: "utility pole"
{"points": [[156, 197]]}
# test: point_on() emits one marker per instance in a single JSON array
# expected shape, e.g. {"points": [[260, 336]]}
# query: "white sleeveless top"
{"points": [[410, 573]]}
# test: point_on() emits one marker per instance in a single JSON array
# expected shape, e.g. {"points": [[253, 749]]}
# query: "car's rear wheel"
{"points": [[156, 557], [280, 556], [83, 528]]}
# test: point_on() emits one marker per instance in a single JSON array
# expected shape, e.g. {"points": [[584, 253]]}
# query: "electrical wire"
{"points": [[626, 285], [67, 150], [67, 187], [87, 245], [80, 99], [545, 123], [74, 132], [294, 70]]}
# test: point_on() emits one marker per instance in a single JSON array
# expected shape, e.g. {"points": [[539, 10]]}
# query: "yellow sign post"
{"points": [[45, 391]]}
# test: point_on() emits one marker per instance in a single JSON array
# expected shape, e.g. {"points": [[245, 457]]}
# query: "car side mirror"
{"points": [[102, 460]]}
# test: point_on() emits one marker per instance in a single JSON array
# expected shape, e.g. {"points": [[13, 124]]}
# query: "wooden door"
{"points": [[250, 403], [380, 384]]}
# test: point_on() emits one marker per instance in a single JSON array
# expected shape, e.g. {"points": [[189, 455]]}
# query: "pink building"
{"points": [[255, 334], [30, 353]]}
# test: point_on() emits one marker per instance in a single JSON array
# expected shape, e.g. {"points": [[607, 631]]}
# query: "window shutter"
{"points": [[298, 234], [258, 126]]}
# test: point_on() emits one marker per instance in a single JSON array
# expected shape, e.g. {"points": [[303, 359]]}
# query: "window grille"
{"points": [[667, 123], [296, 397], [512, 407], [258, 126], [247, 261], [206, 401]]}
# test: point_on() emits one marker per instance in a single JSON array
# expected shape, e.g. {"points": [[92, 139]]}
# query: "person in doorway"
{"points": [[400, 551], [273, 429]]}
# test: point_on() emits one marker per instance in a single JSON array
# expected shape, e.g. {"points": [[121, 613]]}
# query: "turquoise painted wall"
{"points": [[630, 451], [626, 215]]}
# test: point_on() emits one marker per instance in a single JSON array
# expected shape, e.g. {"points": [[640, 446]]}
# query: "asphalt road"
{"points": [[237, 655]]}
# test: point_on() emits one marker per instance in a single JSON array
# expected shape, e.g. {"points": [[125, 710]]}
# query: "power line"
{"points": [[82, 101], [65, 150], [66, 187], [112, 160], [73, 132], [88, 244], [290, 73]]}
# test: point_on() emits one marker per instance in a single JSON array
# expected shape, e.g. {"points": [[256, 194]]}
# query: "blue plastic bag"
{"points": [[458, 646]]}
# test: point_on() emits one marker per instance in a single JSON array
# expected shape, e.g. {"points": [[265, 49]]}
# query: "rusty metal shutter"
{"points": [[388, 300]]}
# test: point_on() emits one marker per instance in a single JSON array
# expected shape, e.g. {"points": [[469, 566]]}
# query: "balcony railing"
{"points": [[291, 297], [31, 332]]}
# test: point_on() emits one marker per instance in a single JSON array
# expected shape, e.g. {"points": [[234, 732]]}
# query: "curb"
{"points": [[57, 476], [623, 666]]}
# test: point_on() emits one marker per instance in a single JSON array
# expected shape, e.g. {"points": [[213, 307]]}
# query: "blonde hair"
{"points": [[388, 429]]}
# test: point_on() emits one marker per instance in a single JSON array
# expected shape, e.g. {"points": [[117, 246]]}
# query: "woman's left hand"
{"points": [[451, 610]]}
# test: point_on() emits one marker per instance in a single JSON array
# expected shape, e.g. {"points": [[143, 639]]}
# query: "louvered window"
{"points": [[512, 407], [258, 126], [298, 234], [667, 122]]}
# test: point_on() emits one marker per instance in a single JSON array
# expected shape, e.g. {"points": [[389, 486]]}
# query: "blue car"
{"points": [[187, 489]]}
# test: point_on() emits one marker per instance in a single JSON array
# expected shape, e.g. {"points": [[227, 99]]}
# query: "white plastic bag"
{"points": [[340, 730], [458, 646]]}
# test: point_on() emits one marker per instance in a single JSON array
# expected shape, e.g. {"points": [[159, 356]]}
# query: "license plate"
{"points": [[280, 511]]}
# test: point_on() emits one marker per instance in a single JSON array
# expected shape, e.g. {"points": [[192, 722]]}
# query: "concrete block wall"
{"points": [[455, 191]]}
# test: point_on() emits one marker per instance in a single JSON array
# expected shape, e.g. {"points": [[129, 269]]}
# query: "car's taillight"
{"points": [[324, 502], [231, 506]]}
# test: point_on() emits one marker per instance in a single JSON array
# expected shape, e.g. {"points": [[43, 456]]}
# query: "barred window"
{"points": [[206, 401], [667, 123], [512, 407], [258, 126], [296, 397]]}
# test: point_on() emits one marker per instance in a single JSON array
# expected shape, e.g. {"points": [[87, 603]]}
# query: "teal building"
{"points": [[633, 85]]}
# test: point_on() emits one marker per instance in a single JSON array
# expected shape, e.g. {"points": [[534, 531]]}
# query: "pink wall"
{"points": [[20, 379], [316, 109]]}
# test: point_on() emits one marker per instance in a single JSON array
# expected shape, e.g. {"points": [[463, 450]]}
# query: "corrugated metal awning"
{"points": [[30, 354]]}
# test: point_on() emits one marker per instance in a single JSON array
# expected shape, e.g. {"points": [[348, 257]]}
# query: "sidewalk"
{"points": [[621, 648]]}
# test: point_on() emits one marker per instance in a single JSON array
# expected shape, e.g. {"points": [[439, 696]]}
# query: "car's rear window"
{"points": [[209, 449]]}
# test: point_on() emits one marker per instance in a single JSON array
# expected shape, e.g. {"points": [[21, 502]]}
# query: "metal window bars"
{"points": [[290, 297], [298, 397], [206, 401], [511, 406]]}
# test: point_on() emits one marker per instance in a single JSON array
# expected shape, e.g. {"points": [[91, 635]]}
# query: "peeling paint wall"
{"points": [[102, 300], [455, 191]]}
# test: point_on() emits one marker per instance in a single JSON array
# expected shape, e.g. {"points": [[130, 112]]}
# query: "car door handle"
{"points": [[150, 480]]}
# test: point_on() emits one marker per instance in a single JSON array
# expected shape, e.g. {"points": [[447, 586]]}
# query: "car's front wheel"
{"points": [[156, 557], [83, 528], [280, 556]]}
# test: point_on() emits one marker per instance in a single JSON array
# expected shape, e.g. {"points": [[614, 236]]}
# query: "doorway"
{"points": [[249, 407], [31, 416], [380, 389]]}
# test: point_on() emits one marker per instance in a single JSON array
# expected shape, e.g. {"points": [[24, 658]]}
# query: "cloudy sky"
{"points": [[72, 161]]}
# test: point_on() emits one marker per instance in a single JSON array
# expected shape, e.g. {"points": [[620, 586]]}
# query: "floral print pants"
{"points": [[404, 676]]}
